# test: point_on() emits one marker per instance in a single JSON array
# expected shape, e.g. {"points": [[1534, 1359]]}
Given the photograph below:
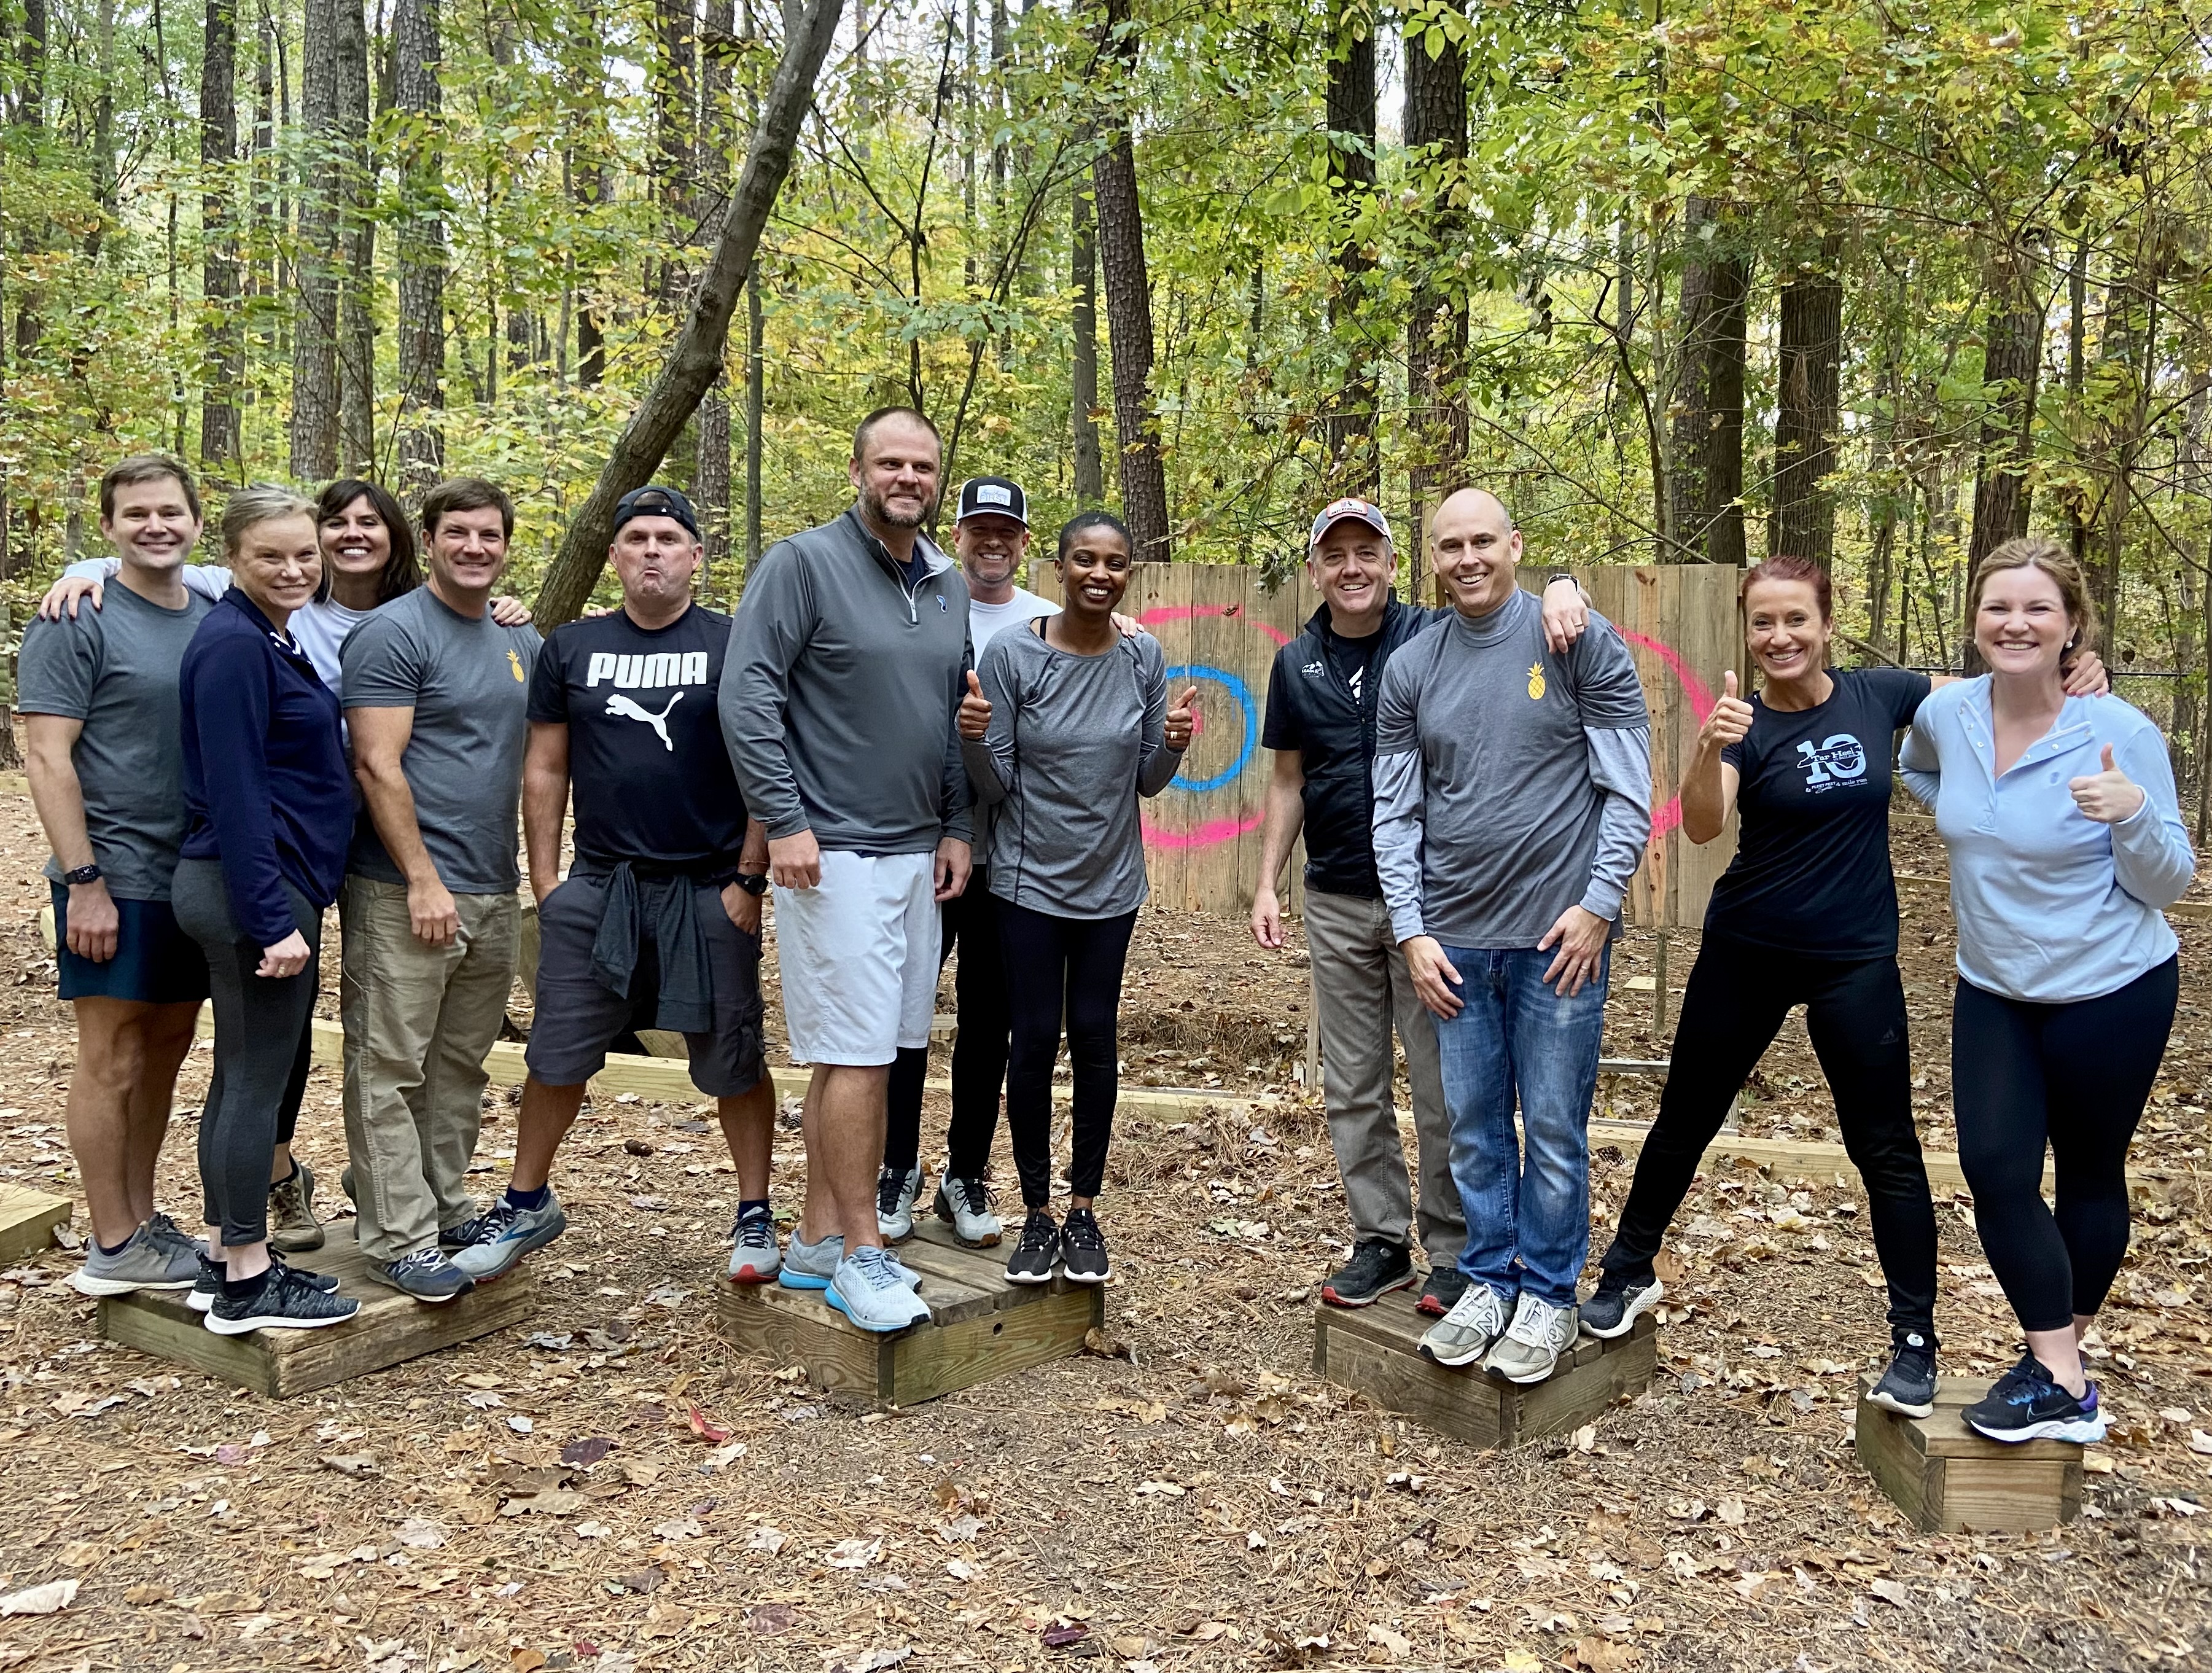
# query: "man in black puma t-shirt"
{"points": [[657, 922]]}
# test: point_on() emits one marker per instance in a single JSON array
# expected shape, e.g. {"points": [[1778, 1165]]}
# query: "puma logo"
{"points": [[619, 704]]}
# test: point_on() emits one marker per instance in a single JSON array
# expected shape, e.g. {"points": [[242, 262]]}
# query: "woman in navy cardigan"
{"points": [[271, 811]]}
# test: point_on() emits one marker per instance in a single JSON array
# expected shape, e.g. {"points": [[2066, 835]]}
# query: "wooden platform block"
{"points": [[983, 1327], [1950, 1480], [27, 1219], [1376, 1352], [389, 1330]]}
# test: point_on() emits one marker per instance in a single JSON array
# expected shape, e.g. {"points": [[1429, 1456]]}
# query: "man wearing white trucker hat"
{"points": [[1321, 725]]}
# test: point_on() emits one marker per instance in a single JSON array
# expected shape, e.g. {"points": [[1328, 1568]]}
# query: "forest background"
{"points": [[1879, 283]]}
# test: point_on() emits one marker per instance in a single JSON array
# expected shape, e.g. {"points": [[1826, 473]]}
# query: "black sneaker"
{"points": [[1376, 1267], [426, 1275], [1908, 1387], [1082, 1249], [289, 1300], [460, 1234], [209, 1283], [1611, 1310], [1442, 1290], [2025, 1404], [1036, 1254]]}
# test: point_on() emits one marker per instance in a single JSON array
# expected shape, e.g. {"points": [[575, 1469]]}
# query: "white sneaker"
{"points": [[1464, 1334], [1541, 1330], [869, 1290], [966, 1204], [894, 1195]]}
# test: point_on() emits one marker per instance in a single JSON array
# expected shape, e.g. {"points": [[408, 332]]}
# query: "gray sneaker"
{"points": [[1464, 1334], [1541, 1330], [894, 1195], [426, 1275], [754, 1258], [293, 1226], [167, 1230], [966, 1204], [810, 1266], [149, 1260], [871, 1290], [505, 1234]]}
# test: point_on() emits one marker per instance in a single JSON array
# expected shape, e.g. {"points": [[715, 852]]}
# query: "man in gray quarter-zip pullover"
{"points": [[837, 704], [1512, 797]]}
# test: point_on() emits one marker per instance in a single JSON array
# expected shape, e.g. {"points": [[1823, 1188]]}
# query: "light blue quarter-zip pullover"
{"points": [[2052, 905]]}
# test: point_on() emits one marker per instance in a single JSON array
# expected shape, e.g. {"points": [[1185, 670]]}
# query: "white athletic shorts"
{"points": [[858, 954]]}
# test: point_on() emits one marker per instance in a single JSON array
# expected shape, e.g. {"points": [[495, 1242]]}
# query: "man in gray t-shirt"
{"points": [[1512, 798], [99, 697], [436, 696]]}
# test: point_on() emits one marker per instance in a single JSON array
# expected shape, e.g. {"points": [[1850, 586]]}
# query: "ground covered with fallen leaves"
{"points": [[609, 1488]]}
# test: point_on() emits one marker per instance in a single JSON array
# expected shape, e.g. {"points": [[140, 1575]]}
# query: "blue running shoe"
{"points": [[871, 1290]]}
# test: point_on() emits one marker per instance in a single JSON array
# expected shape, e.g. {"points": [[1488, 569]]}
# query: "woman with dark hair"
{"points": [[2066, 843], [1067, 723], [269, 807], [1805, 915]]}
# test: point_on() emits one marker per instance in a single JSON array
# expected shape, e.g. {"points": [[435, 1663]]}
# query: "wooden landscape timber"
{"points": [[390, 1328], [28, 1220], [983, 1326], [1950, 1480], [1376, 1351]]}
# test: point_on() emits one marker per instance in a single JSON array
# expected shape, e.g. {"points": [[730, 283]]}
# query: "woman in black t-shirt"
{"points": [[1805, 915]]}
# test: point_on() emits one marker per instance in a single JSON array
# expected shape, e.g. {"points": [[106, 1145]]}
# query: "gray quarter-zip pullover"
{"points": [[839, 693]]}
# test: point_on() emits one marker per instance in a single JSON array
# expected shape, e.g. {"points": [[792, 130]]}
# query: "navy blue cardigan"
{"points": [[266, 788]]}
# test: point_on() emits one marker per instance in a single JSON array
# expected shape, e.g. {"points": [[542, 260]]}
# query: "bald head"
{"points": [[1476, 551]]}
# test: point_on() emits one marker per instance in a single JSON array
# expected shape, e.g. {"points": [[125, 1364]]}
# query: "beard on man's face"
{"points": [[908, 514]]}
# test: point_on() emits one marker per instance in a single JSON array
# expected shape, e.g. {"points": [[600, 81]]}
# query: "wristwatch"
{"points": [[83, 874], [753, 883], [1561, 575]]}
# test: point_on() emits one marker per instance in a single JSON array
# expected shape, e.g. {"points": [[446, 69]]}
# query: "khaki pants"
{"points": [[419, 1021], [1361, 986]]}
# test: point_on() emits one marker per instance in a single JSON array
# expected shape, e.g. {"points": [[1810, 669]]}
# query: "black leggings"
{"points": [[969, 921], [2075, 1076], [1732, 1008], [260, 1027], [1053, 962]]}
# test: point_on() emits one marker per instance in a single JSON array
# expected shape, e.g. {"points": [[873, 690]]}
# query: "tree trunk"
{"points": [[756, 406], [421, 247], [103, 125], [1803, 524], [1706, 519], [711, 477], [220, 452], [2012, 357], [695, 357], [315, 432], [31, 117], [676, 131], [2186, 732], [357, 228], [2124, 392], [1090, 469], [1354, 454], [1129, 309], [1436, 334]]}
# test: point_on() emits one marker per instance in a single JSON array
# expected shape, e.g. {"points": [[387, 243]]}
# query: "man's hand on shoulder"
{"points": [[794, 861], [1566, 613]]}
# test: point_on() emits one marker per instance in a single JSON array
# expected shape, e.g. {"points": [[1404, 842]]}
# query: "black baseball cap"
{"points": [[654, 500], [994, 497]]}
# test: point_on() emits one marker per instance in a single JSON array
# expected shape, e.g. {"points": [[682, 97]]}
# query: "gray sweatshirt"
{"points": [[1511, 784], [839, 692], [1073, 741]]}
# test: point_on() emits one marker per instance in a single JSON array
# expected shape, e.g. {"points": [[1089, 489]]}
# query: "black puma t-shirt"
{"points": [[1811, 873], [651, 777]]}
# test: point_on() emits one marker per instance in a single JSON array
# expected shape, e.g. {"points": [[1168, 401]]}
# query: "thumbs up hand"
{"points": [[1729, 721], [1183, 719], [2108, 796], [974, 710]]}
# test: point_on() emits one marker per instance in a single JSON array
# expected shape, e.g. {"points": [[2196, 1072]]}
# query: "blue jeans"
{"points": [[1528, 1219]]}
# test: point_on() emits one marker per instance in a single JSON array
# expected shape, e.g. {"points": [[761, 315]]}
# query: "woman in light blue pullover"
{"points": [[2066, 840]]}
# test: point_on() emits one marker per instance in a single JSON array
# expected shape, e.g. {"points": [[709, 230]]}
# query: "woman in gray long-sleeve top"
{"points": [[1067, 723]]}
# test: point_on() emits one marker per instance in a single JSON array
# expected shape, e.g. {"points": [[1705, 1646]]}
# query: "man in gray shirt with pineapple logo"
{"points": [[1512, 798]]}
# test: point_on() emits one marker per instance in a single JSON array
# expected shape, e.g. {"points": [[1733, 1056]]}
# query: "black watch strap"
{"points": [[1561, 575], [753, 883], [91, 873]]}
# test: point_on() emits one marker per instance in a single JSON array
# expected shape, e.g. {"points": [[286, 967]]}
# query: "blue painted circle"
{"points": [[1242, 693]]}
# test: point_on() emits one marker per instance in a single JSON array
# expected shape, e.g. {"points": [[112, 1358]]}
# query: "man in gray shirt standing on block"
{"points": [[1512, 798], [837, 704], [436, 696]]}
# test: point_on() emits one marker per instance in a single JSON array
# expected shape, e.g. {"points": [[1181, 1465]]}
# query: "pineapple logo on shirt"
{"points": [[1838, 758], [514, 664], [1535, 682]]}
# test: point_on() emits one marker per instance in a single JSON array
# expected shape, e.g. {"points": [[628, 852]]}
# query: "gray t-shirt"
{"points": [[115, 669], [1073, 741], [468, 682], [1510, 783]]}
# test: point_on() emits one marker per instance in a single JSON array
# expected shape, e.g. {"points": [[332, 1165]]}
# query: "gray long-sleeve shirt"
{"points": [[839, 692], [1510, 783], [1073, 741]]}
